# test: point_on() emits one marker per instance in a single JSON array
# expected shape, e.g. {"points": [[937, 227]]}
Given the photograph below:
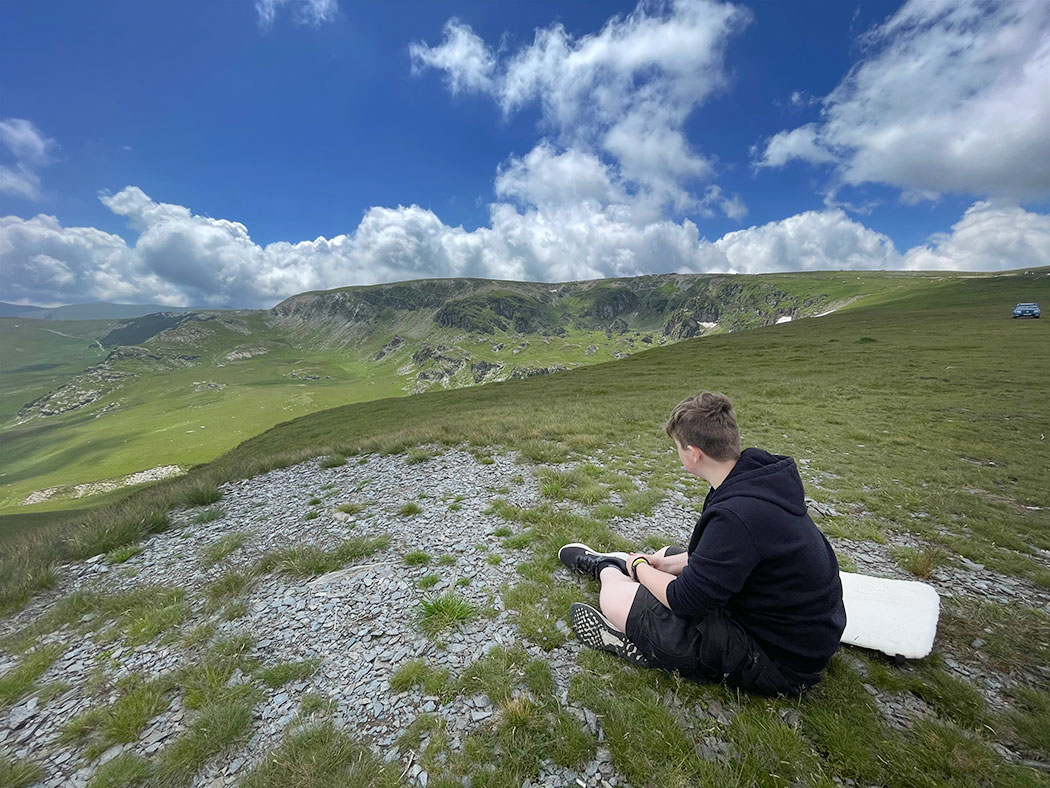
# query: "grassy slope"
{"points": [[36, 356], [897, 408], [167, 417], [902, 407]]}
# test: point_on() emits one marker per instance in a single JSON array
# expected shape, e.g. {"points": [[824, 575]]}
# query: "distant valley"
{"points": [[95, 401]]}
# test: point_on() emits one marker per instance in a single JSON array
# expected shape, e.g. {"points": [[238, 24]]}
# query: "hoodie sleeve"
{"points": [[717, 568]]}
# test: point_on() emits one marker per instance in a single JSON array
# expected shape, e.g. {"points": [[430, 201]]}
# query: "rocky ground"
{"points": [[361, 622]]}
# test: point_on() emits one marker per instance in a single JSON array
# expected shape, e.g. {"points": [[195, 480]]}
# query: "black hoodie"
{"points": [[756, 552]]}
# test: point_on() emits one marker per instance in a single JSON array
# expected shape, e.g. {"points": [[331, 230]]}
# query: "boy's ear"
{"points": [[695, 453]]}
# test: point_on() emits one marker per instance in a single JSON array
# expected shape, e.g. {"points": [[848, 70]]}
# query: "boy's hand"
{"points": [[646, 556]]}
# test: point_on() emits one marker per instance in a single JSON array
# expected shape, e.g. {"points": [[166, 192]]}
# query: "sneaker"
{"points": [[580, 558], [596, 631]]}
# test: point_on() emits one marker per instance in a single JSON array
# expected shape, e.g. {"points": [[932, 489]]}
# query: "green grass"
{"points": [[315, 703], [217, 728], [124, 771], [352, 508], [201, 495], [889, 429], [444, 612], [229, 585], [17, 683], [333, 461], [920, 563], [310, 560], [208, 516], [313, 514], [322, 757], [1016, 638], [416, 673], [122, 554], [123, 721], [428, 581], [139, 614], [1026, 723], [281, 674], [416, 456], [410, 509], [937, 389], [18, 773], [528, 728], [223, 547], [417, 558]]}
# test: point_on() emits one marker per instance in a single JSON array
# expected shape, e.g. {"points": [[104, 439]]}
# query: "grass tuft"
{"points": [[920, 563], [223, 548], [281, 674], [410, 509], [201, 494], [122, 554], [309, 560], [416, 456], [17, 773], [416, 673], [208, 515], [124, 771], [324, 757], [417, 558], [19, 682], [333, 461], [443, 612]]}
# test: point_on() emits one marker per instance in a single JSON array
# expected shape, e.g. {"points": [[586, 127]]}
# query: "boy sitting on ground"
{"points": [[755, 601]]}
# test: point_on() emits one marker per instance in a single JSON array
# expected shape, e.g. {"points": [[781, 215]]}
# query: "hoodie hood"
{"points": [[767, 477]]}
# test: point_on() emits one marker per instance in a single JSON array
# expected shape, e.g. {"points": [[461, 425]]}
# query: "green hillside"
{"points": [[919, 421], [179, 389]]}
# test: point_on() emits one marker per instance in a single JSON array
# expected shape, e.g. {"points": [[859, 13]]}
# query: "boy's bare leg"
{"points": [[616, 596]]}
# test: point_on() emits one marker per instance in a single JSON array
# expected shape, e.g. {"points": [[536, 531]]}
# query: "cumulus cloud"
{"points": [[181, 258], [805, 242], [462, 55], [623, 93], [304, 12], [949, 97], [989, 237], [30, 150]]}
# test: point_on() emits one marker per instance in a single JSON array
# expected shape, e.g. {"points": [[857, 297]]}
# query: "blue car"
{"points": [[1026, 310]]}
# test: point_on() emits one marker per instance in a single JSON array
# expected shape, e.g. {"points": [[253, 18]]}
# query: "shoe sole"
{"points": [[622, 556], [596, 631]]}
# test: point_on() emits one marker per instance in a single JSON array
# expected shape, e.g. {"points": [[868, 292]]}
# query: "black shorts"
{"points": [[712, 649]]}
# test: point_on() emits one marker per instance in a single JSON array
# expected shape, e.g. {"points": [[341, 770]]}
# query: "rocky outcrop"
{"points": [[245, 353], [484, 370], [531, 372], [392, 346], [609, 302], [682, 325], [103, 379]]}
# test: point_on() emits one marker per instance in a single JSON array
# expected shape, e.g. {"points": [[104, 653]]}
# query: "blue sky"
{"points": [[236, 153]]}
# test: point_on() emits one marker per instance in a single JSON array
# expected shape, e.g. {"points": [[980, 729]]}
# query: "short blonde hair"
{"points": [[706, 421]]}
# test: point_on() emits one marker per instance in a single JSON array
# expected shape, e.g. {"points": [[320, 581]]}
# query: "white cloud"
{"points": [[30, 150], [546, 177], [181, 258], [989, 237], [305, 12], [951, 96], [462, 55], [808, 241], [800, 143], [624, 92]]}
